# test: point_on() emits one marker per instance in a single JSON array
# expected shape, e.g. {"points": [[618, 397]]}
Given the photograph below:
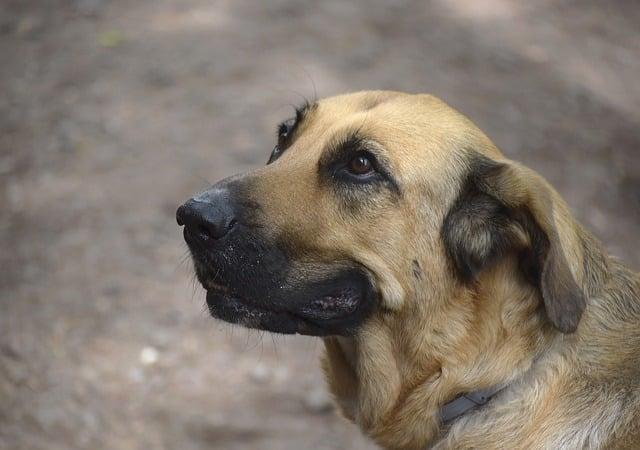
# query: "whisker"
{"points": [[275, 347], [310, 78]]}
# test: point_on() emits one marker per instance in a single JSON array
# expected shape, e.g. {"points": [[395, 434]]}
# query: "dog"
{"points": [[460, 303]]}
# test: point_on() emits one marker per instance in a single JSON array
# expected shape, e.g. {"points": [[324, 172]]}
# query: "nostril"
{"points": [[204, 232], [213, 228]]}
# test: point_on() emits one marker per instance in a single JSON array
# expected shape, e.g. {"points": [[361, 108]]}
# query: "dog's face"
{"points": [[361, 207]]}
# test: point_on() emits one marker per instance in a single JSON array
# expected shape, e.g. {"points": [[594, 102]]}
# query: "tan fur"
{"points": [[434, 337]]}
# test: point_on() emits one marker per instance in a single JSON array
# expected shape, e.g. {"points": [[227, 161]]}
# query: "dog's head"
{"points": [[370, 203]]}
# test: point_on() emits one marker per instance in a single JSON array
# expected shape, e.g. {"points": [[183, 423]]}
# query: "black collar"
{"points": [[466, 402]]}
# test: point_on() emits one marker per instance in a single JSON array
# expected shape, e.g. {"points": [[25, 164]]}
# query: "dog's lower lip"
{"points": [[234, 309], [229, 294], [225, 293]]}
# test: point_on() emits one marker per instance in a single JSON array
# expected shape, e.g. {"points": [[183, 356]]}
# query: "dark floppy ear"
{"points": [[504, 207]]}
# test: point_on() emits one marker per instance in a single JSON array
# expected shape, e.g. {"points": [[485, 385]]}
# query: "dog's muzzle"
{"points": [[251, 279]]}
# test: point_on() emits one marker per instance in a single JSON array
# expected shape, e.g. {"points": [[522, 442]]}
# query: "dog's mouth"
{"points": [[333, 306], [258, 281], [231, 308], [234, 309]]}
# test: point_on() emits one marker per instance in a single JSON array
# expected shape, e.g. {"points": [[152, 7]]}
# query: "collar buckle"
{"points": [[466, 402]]}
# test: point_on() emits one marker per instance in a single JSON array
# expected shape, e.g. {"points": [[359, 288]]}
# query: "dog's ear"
{"points": [[504, 207]]}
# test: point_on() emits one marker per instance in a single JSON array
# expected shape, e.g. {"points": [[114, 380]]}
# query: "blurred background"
{"points": [[114, 112]]}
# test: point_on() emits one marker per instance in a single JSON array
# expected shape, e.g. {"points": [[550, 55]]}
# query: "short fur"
{"points": [[483, 278], [490, 323]]}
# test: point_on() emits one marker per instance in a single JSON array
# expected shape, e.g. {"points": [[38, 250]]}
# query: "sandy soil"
{"points": [[112, 113]]}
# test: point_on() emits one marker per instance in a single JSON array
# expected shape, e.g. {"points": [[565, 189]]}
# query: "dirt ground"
{"points": [[113, 112]]}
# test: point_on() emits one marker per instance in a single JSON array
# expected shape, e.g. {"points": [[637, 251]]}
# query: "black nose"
{"points": [[207, 216]]}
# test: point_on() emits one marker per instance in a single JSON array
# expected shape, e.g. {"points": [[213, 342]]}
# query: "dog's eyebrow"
{"points": [[341, 146], [349, 144], [302, 112], [291, 125]]}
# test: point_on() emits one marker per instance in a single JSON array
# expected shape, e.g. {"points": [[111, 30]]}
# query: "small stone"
{"points": [[260, 374], [149, 356], [318, 401]]}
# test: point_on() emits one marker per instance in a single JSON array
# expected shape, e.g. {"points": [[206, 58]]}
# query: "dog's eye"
{"points": [[284, 131], [360, 165]]}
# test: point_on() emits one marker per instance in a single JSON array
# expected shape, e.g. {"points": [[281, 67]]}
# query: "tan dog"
{"points": [[433, 267]]}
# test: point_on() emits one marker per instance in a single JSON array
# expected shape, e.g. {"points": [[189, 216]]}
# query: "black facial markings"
{"points": [[275, 293], [354, 189], [261, 279]]}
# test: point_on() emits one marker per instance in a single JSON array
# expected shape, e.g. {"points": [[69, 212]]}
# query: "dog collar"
{"points": [[466, 402]]}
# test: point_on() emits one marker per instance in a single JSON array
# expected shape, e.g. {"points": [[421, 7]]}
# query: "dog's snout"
{"points": [[207, 217]]}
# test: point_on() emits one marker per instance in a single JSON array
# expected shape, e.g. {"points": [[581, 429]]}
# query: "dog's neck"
{"points": [[389, 377]]}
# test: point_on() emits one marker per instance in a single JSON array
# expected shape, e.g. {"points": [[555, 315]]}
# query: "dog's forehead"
{"points": [[413, 129], [359, 101]]}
